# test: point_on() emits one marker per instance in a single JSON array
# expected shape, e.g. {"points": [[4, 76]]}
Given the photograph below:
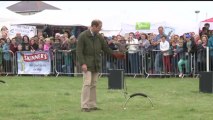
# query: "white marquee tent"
{"points": [[7, 17], [113, 23]]}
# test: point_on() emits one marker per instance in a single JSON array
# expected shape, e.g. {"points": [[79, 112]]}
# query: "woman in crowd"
{"points": [[7, 57], [33, 44], [25, 44]]}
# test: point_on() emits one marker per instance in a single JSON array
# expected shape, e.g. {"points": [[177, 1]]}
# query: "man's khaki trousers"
{"points": [[88, 95]]}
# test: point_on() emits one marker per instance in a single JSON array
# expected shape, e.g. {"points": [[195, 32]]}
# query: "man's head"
{"points": [[18, 35], [207, 26], [96, 25], [160, 30]]}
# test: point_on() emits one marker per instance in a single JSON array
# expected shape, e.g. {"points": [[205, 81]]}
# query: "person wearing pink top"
{"points": [[47, 44]]}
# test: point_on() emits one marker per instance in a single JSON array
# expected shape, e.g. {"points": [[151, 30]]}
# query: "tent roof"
{"points": [[72, 18], [7, 16], [30, 6], [208, 20]]}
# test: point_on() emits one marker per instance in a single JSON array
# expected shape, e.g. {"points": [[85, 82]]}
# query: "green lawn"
{"points": [[51, 98]]}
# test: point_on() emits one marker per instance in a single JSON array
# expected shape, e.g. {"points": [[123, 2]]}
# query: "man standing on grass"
{"points": [[89, 47]]}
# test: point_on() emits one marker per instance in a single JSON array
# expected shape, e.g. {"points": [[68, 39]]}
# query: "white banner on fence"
{"points": [[30, 31], [33, 62]]}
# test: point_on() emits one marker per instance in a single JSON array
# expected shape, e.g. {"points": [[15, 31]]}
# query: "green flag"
{"points": [[142, 26]]}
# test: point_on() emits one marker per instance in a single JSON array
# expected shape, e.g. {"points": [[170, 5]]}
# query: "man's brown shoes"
{"points": [[90, 109], [95, 108], [85, 110]]}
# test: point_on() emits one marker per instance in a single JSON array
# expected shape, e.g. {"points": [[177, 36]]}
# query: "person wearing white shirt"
{"points": [[133, 53], [164, 48]]}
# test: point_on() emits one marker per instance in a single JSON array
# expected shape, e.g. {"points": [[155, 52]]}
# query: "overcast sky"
{"points": [[180, 11], [183, 9]]}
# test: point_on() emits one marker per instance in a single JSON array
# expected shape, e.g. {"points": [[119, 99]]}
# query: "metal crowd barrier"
{"points": [[132, 65], [7, 66], [154, 65], [137, 63], [66, 63]]}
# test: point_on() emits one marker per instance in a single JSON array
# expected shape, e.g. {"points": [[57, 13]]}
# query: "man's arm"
{"points": [[80, 49], [105, 47]]}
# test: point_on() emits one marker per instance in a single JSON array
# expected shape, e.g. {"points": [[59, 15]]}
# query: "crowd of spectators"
{"points": [[156, 53]]}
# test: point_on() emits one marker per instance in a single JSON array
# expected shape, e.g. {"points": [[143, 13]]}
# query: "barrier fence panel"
{"points": [[145, 63], [200, 61], [132, 65], [210, 59], [109, 62], [7, 63], [66, 63], [156, 63]]}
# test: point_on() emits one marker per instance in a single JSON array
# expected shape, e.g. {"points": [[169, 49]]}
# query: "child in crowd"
{"points": [[20, 47], [47, 45], [182, 58], [40, 47]]}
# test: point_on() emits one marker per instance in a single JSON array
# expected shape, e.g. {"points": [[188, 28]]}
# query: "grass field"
{"points": [[51, 98]]}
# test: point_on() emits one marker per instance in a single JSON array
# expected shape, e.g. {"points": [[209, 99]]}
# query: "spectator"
{"points": [[143, 46], [40, 47], [133, 53], [111, 61], [25, 40], [165, 47], [47, 45], [66, 55], [13, 46], [182, 59], [36, 39], [4, 32], [57, 54], [190, 49], [174, 58], [40, 34], [201, 56], [7, 57], [143, 43], [19, 48], [158, 55], [18, 38], [27, 47], [33, 44]]}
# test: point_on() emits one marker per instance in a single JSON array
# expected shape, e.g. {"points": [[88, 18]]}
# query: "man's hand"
{"points": [[84, 68], [119, 55]]}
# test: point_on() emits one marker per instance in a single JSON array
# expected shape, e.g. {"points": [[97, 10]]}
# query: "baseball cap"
{"points": [[188, 36]]}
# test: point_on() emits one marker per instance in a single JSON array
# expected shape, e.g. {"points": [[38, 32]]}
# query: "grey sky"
{"points": [[182, 12], [183, 9]]}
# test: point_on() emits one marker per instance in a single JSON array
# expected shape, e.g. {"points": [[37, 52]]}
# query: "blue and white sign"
{"points": [[33, 62], [30, 31]]}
